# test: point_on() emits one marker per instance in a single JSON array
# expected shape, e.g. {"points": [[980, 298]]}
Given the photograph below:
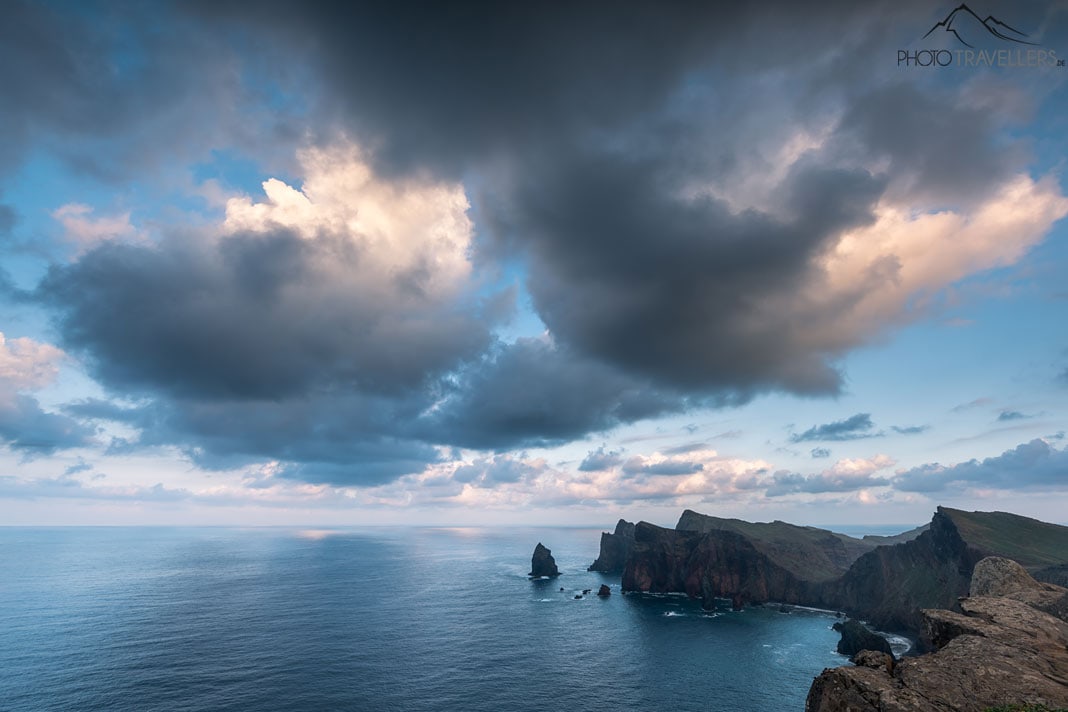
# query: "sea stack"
{"points": [[542, 563], [857, 637]]}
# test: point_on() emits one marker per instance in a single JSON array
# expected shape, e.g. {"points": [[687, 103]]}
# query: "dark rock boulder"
{"points": [[542, 563], [604, 591], [615, 548], [857, 637]]}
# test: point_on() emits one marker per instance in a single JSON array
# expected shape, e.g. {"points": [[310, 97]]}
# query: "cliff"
{"points": [[890, 585], [807, 552], [709, 565], [615, 548], [1008, 646], [708, 557]]}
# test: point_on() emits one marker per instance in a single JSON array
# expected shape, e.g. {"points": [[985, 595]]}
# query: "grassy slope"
{"points": [[808, 552], [1033, 543]]}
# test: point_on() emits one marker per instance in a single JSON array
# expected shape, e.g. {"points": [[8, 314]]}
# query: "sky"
{"points": [[504, 263]]}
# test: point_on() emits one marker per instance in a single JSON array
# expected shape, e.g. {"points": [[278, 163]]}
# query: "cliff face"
{"points": [[807, 552], [615, 548], [1004, 649], [709, 565], [707, 557], [889, 585]]}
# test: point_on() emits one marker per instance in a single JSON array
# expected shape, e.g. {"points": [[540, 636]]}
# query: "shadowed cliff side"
{"points": [[615, 548], [710, 565], [889, 585], [807, 552]]}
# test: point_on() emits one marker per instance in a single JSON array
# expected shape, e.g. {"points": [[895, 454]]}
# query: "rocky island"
{"points": [[542, 563]]}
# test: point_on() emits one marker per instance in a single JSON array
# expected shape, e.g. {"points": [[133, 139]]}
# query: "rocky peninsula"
{"points": [[976, 589], [886, 584]]}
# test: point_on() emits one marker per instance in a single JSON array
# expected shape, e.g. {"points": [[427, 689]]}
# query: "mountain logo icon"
{"points": [[963, 23]]}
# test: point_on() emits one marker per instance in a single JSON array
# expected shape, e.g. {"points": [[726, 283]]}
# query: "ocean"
{"points": [[192, 620]]}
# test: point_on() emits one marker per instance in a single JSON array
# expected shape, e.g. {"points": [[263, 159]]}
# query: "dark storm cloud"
{"points": [[441, 84], [932, 147], [106, 90], [535, 393], [590, 133], [26, 428], [340, 438], [255, 316], [1035, 464], [852, 428], [680, 290]]}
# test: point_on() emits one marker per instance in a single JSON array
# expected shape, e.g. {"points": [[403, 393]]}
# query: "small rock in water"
{"points": [[578, 596], [604, 591]]}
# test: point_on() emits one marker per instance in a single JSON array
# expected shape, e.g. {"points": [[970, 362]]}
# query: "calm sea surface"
{"points": [[370, 619]]}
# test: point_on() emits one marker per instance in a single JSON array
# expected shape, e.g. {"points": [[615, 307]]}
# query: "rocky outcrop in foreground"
{"points": [[1009, 646], [615, 548], [542, 563]]}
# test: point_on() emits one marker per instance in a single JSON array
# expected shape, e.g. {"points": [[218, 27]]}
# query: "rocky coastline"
{"points": [[887, 585], [975, 589], [1007, 646]]}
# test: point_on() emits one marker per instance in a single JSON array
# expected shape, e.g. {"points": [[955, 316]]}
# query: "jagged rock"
{"points": [[857, 637], [997, 651], [615, 548], [542, 563], [604, 591], [874, 659]]}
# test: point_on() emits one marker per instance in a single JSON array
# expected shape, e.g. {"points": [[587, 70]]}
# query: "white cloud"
{"points": [[85, 230], [888, 270], [26, 364], [400, 226]]}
